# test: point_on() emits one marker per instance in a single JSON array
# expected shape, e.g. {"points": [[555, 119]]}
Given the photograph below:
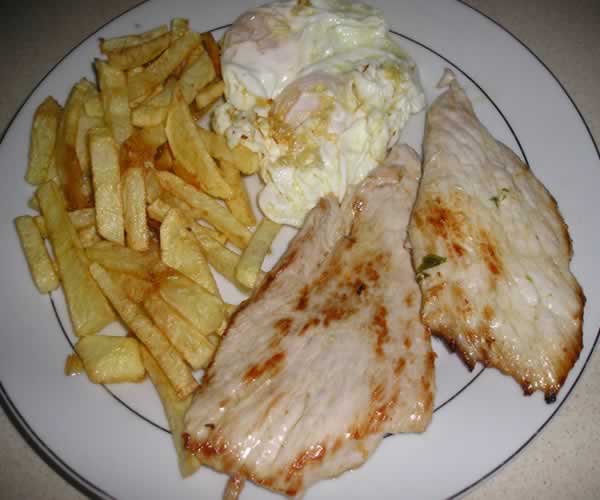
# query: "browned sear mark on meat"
{"points": [[443, 220], [283, 326], [303, 299], [309, 324], [380, 328], [409, 299], [487, 247], [273, 364], [337, 311], [400, 365], [488, 313], [315, 453]]}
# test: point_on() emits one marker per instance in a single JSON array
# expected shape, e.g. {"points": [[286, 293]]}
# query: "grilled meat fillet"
{"points": [[329, 354], [492, 253]]}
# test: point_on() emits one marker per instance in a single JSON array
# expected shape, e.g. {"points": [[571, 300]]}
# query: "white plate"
{"points": [[112, 442]]}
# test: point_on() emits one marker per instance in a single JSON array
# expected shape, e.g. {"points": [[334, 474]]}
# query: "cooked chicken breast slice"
{"points": [[492, 253], [329, 354]]}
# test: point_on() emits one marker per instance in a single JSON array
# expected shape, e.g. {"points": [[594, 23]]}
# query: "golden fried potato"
{"points": [[38, 259], [175, 368], [111, 360], [239, 203], [142, 84], [189, 150], [73, 365], [240, 156], [134, 209], [138, 55], [135, 288], [123, 42], [206, 208], [123, 259], [209, 94], [181, 251], [106, 173], [43, 139], [212, 48], [88, 236], [188, 340], [175, 409], [196, 76], [88, 308], [248, 268], [115, 98], [67, 162], [153, 189], [200, 307]]}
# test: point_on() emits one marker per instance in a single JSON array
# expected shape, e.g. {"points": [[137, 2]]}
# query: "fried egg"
{"points": [[320, 91]]}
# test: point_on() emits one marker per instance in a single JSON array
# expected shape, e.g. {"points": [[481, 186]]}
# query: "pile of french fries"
{"points": [[140, 206]]}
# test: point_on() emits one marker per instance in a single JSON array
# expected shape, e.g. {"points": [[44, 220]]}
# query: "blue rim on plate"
{"points": [[91, 490]]}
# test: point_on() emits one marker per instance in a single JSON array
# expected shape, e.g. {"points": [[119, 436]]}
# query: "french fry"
{"points": [[153, 136], [134, 209], [107, 185], [164, 158], [190, 152], [179, 26], [111, 360], [248, 267], [67, 163], [137, 151], [135, 288], [240, 157], [188, 340], [93, 106], [239, 203], [86, 123], [154, 110], [81, 219], [43, 140], [89, 236], [123, 42], [181, 251], [38, 259], [178, 373], [73, 365], [153, 189], [207, 208], [212, 48], [142, 84], [196, 76], [175, 409], [201, 308], [88, 308], [159, 208], [122, 259], [209, 94], [138, 55], [113, 89]]}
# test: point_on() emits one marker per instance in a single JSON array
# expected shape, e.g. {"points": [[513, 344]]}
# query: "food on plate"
{"points": [[498, 287], [39, 262], [144, 241], [106, 177], [88, 308], [329, 354], [133, 188], [175, 409], [43, 140], [76, 185], [108, 359], [320, 91], [195, 164], [249, 266], [181, 250], [137, 320], [115, 100]]}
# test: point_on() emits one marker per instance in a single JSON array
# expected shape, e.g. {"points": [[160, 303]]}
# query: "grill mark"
{"points": [[303, 299], [309, 324], [380, 328], [273, 364], [315, 453]]}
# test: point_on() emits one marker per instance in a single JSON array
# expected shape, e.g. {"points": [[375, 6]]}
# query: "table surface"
{"points": [[563, 461]]}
